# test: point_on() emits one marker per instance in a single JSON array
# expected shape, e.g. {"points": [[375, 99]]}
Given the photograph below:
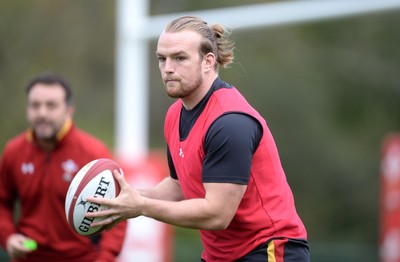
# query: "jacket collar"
{"points": [[30, 135]]}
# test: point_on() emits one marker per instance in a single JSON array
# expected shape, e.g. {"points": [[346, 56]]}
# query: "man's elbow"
{"points": [[219, 223]]}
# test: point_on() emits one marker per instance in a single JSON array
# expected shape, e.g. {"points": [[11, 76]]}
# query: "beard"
{"points": [[45, 131], [179, 89]]}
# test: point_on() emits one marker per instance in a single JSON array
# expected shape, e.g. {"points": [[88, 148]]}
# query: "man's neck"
{"points": [[191, 101], [47, 145]]}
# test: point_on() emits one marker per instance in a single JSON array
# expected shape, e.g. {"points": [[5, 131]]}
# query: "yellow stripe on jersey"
{"points": [[64, 129], [271, 251]]}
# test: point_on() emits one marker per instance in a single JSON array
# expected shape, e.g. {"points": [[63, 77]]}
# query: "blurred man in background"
{"points": [[36, 169]]}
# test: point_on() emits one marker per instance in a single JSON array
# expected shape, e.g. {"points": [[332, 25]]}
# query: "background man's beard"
{"points": [[46, 138]]}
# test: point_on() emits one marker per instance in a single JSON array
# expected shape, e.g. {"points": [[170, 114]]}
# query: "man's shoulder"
{"points": [[18, 141], [86, 144], [86, 137]]}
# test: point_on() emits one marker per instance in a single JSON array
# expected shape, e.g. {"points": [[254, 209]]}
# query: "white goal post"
{"points": [[135, 28]]}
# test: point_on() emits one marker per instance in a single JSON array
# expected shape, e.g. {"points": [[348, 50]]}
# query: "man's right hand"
{"points": [[15, 246]]}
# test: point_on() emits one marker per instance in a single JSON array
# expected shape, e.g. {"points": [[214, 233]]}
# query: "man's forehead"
{"points": [[46, 91], [182, 40], [48, 87], [179, 34]]}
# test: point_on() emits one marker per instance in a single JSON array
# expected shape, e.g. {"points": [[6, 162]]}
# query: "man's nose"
{"points": [[42, 110], [169, 66]]}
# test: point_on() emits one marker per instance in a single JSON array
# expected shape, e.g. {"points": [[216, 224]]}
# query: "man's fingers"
{"points": [[114, 222], [99, 200], [109, 221], [100, 213], [106, 215], [15, 246], [120, 179]]}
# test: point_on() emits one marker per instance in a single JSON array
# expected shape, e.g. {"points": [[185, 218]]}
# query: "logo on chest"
{"points": [[181, 154], [70, 168], [27, 168]]}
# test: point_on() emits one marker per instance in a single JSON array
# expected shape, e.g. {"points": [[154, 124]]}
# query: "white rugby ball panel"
{"points": [[96, 179], [74, 185], [102, 186]]}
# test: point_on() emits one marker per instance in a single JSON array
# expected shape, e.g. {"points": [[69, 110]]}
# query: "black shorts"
{"points": [[279, 249]]}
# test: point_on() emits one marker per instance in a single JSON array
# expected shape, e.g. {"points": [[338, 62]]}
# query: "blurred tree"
{"points": [[74, 38]]}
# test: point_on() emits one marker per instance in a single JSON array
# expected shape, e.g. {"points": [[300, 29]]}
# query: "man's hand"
{"points": [[125, 205], [15, 246]]}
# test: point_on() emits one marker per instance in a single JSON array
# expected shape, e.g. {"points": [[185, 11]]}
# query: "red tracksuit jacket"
{"points": [[40, 181]]}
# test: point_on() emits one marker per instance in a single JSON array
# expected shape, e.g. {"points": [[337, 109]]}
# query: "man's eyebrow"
{"points": [[179, 53]]}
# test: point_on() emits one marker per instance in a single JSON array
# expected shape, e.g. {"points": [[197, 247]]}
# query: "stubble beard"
{"points": [[181, 90], [46, 134]]}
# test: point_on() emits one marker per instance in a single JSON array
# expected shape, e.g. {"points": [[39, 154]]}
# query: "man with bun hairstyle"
{"points": [[226, 177]]}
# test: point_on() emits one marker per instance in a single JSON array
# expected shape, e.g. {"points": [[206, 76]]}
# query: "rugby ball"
{"points": [[94, 179]]}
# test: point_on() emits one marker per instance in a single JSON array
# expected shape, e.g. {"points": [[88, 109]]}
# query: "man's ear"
{"points": [[209, 61], [71, 111]]}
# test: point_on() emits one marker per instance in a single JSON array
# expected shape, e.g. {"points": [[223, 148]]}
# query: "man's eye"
{"points": [[161, 59], [51, 105], [34, 105]]}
